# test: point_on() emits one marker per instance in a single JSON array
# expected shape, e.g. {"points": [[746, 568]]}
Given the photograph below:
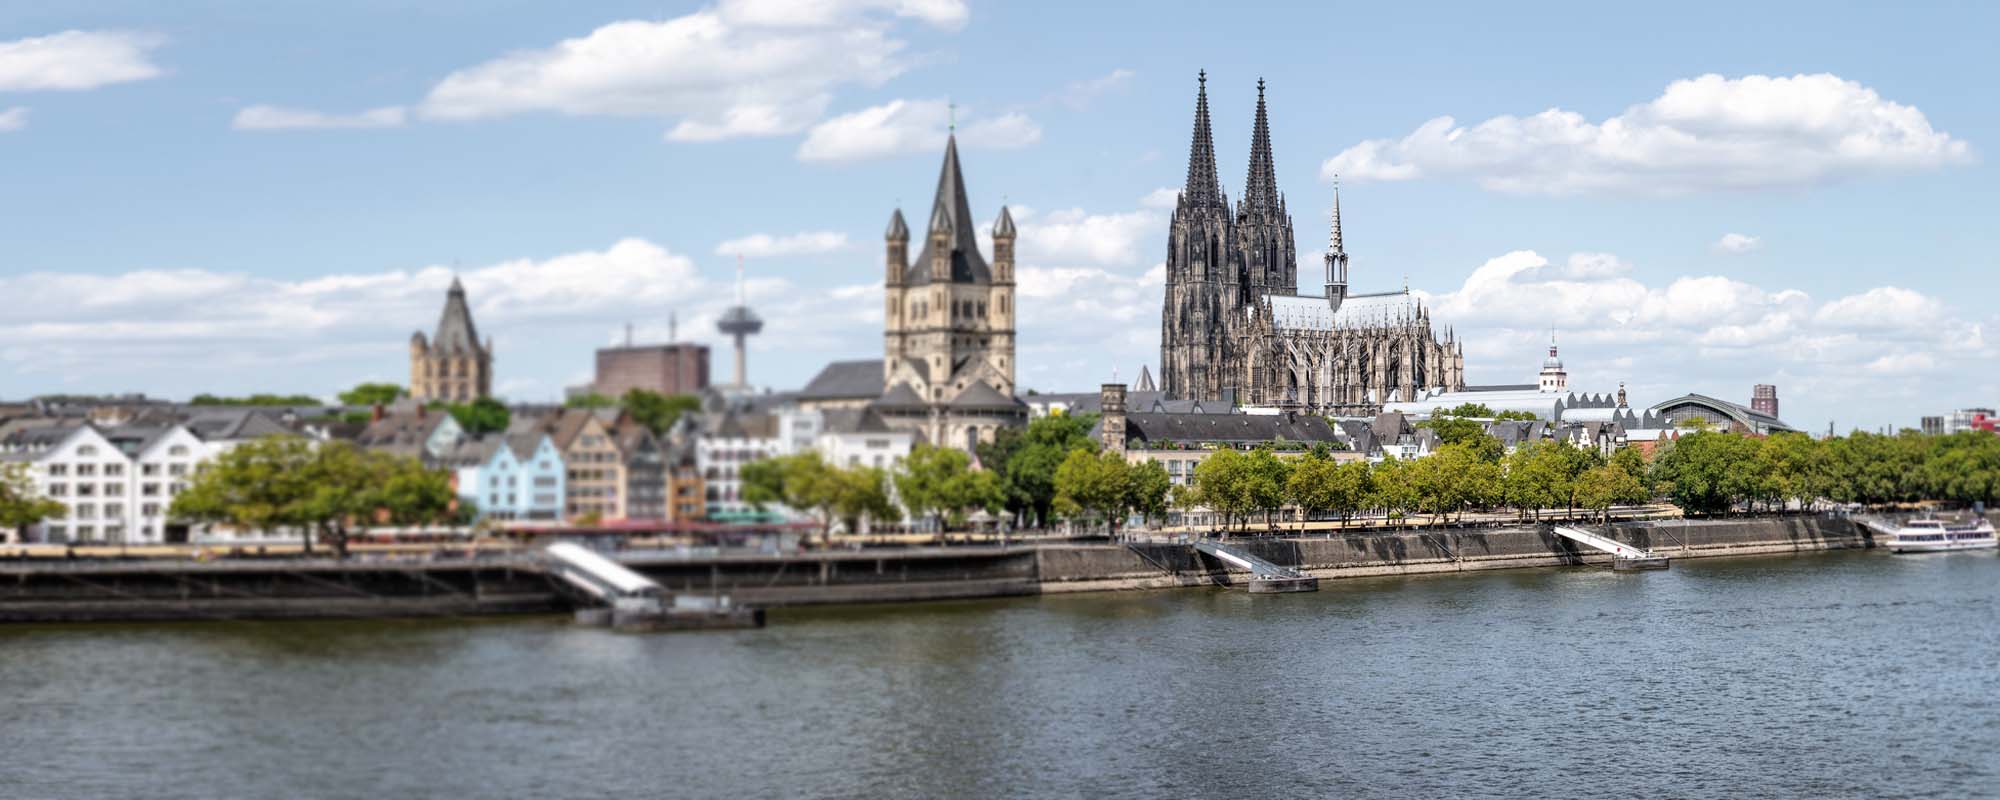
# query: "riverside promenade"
{"points": [[514, 582]]}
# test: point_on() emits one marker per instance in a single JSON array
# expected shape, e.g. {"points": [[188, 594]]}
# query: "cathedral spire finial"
{"points": [[1260, 189], [1335, 243], [1203, 188]]}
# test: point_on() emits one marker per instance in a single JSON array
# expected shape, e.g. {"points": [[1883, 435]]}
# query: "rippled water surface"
{"points": [[1823, 676]]}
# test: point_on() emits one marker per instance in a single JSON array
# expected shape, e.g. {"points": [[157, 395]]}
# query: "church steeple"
{"points": [[1203, 188], [1260, 188], [951, 215], [1336, 257]]}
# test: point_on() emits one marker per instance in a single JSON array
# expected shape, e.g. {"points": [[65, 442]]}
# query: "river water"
{"points": [[1826, 676]]}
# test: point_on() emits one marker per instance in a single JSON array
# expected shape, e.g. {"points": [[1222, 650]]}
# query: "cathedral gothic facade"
{"points": [[1234, 322], [948, 323], [452, 365]]}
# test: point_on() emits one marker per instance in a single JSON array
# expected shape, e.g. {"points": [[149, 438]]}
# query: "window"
{"points": [[86, 470], [114, 470], [58, 490], [149, 510], [177, 470], [177, 450], [58, 470], [84, 511], [149, 470], [86, 490], [114, 490], [87, 450], [114, 510]]}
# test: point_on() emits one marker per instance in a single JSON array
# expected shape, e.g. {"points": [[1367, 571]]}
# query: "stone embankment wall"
{"points": [[105, 590]]}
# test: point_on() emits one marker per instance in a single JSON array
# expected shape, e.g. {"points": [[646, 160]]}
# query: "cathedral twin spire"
{"points": [[1204, 188], [1260, 187]]}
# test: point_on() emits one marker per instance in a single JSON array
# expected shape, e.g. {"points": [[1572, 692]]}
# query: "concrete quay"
{"points": [[32, 591]]}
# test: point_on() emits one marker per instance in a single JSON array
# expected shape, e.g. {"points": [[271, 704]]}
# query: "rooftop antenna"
{"points": [[628, 334], [951, 111], [673, 327]]}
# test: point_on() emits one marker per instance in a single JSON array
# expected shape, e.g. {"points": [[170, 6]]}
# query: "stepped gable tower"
{"points": [[452, 365]]}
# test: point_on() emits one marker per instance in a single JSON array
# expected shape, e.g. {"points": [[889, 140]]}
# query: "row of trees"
{"points": [[807, 483], [1708, 472], [1456, 478], [656, 411], [327, 490], [20, 506]]}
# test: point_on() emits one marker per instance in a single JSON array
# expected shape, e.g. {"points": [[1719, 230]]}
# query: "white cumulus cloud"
{"points": [[764, 245], [1704, 133], [1737, 243], [742, 68], [912, 126], [76, 60], [274, 118]]}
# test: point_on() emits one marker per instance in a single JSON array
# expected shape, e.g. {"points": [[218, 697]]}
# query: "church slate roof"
{"points": [[981, 397], [900, 398], [951, 211], [455, 332], [1228, 428], [846, 380], [853, 420]]}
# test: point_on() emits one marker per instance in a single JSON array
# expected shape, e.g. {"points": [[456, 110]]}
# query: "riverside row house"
{"points": [[116, 483]]}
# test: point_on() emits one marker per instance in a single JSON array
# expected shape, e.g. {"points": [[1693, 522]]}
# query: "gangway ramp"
{"points": [[608, 581], [1625, 556], [1266, 577]]}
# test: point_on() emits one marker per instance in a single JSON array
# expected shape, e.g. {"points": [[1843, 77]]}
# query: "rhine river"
{"points": [[1822, 676]]}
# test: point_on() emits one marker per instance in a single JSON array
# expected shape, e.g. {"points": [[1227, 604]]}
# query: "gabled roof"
{"points": [[853, 420], [900, 398], [845, 380], [981, 397], [1228, 428], [455, 332], [950, 211]]}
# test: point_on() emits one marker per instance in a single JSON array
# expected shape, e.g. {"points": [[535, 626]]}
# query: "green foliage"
{"points": [[1707, 472], [1452, 479], [1095, 485], [1394, 491], [255, 400], [1237, 485], [589, 400], [1605, 486], [1026, 460], [328, 489], [938, 482], [1313, 486], [20, 506], [372, 394], [482, 416], [656, 411], [1150, 489]]}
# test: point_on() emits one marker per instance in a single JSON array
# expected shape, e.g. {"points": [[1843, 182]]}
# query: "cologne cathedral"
{"points": [[1234, 324]]}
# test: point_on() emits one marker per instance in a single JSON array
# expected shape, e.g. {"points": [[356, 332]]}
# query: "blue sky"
{"points": [[235, 197]]}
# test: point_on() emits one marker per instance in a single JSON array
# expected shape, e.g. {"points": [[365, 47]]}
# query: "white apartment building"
{"points": [[117, 483]]}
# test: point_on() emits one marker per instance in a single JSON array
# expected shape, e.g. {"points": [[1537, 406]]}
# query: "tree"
{"points": [[589, 400], [1393, 490], [260, 399], [372, 394], [803, 482], [1313, 487], [1150, 486], [864, 495], [323, 490], [1264, 479], [1707, 472], [1094, 484], [1218, 484], [658, 412], [1027, 460], [482, 416], [20, 506], [1351, 486], [1605, 486], [1529, 480], [939, 482]]}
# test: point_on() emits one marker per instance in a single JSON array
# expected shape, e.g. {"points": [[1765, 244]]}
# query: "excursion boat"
{"points": [[1937, 536]]}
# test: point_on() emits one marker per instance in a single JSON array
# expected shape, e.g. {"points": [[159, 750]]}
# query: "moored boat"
{"points": [[1937, 536]]}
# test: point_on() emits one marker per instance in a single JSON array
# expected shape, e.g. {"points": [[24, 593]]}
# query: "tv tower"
{"points": [[738, 322]]}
